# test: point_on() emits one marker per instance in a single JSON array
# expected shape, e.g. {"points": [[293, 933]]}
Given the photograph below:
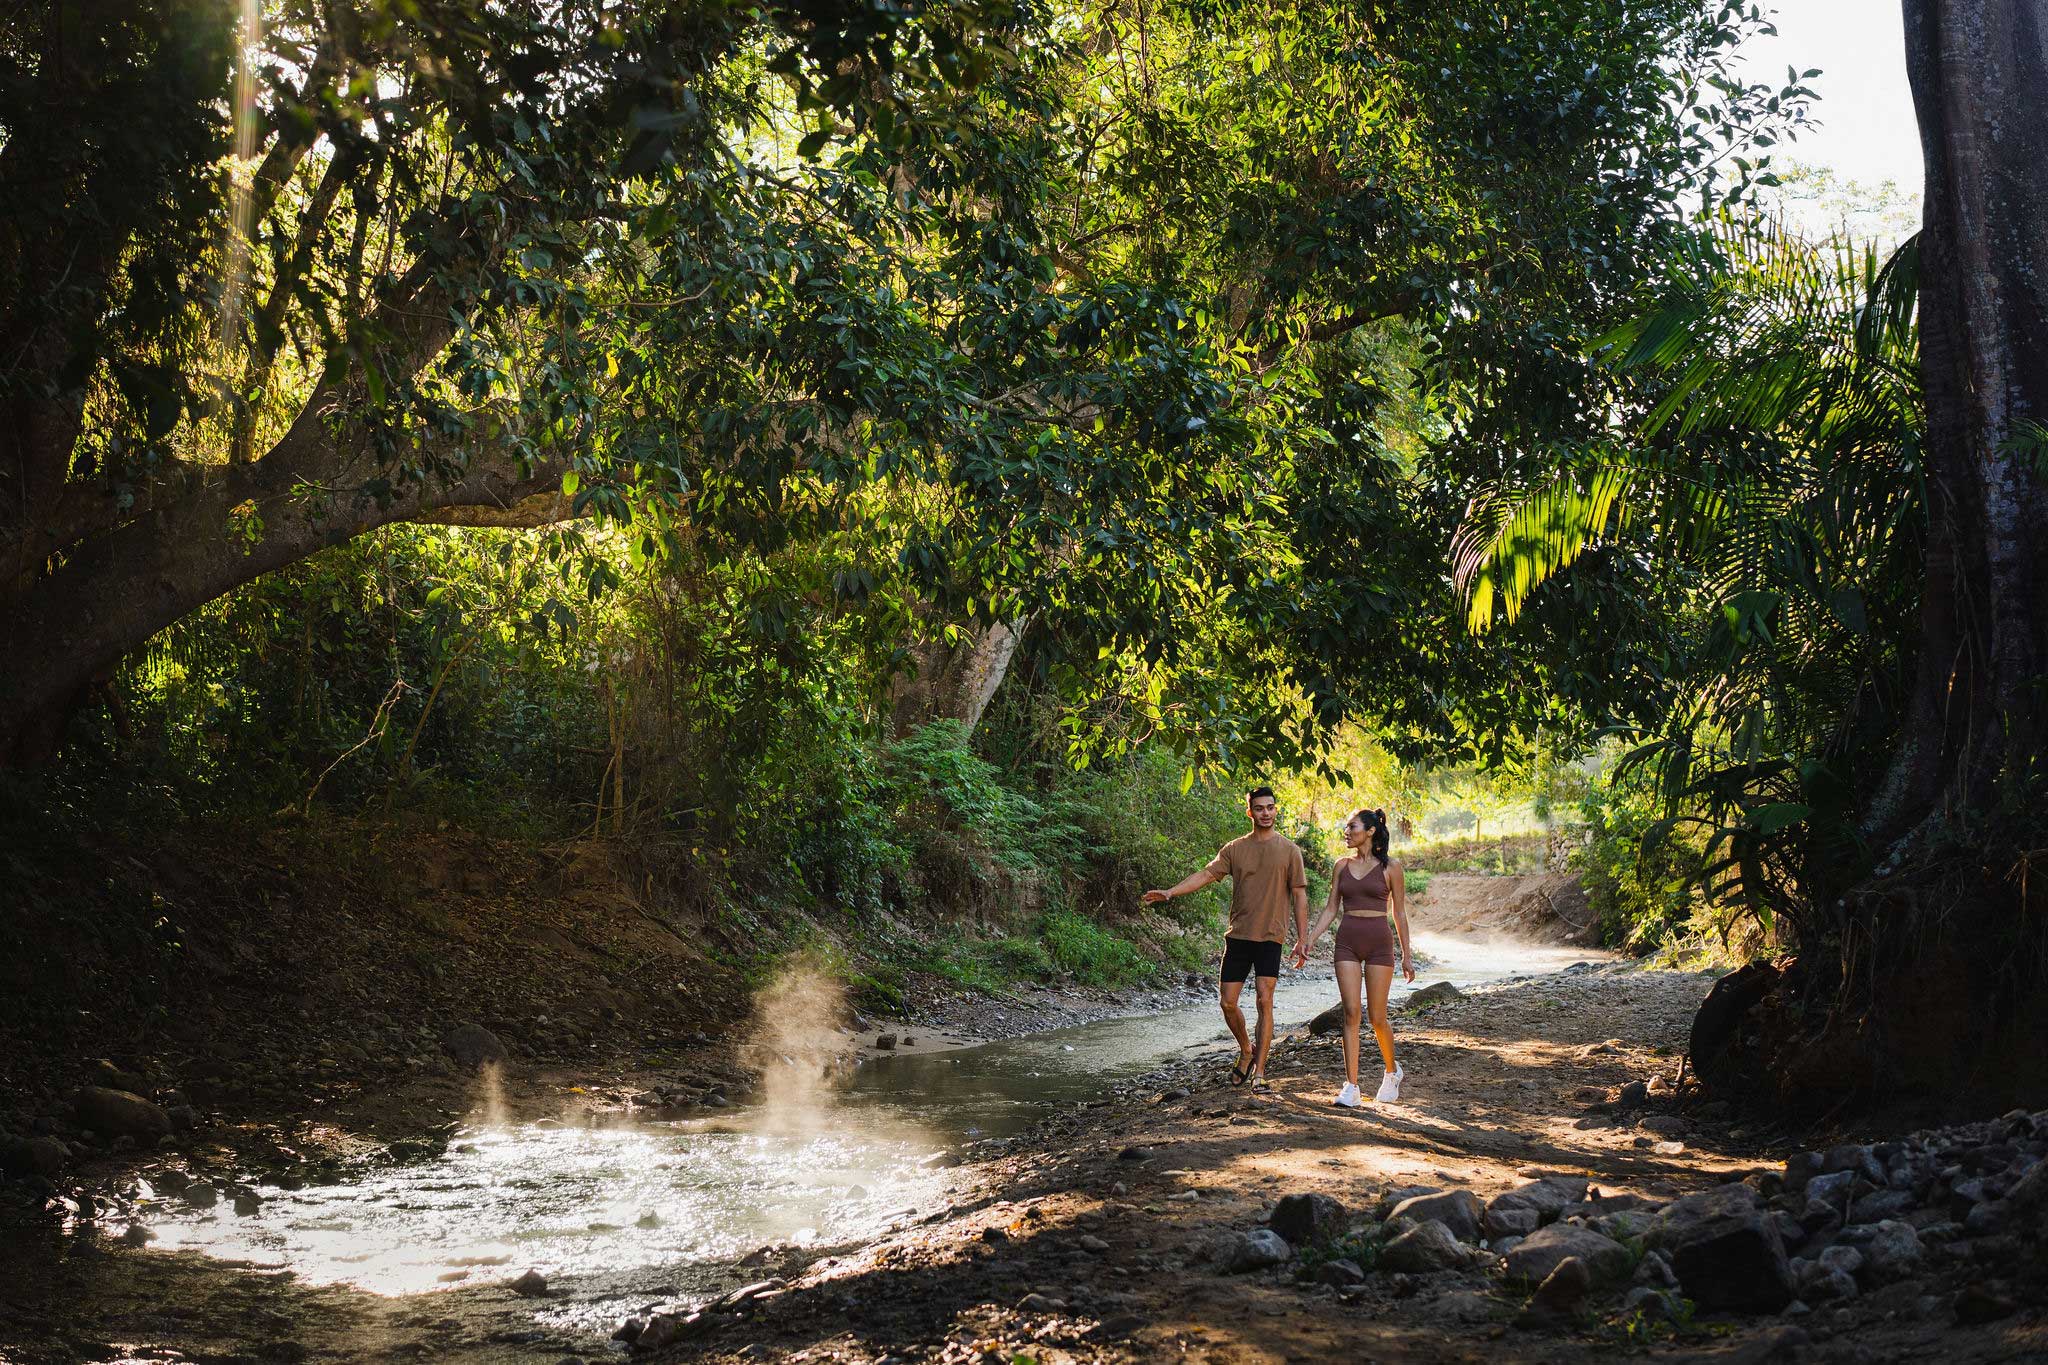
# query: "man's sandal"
{"points": [[1241, 1071]]}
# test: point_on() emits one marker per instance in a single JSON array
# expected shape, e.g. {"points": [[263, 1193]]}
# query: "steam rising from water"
{"points": [[798, 1047], [488, 1109]]}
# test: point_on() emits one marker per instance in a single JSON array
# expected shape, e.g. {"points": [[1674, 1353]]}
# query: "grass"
{"points": [[1361, 1247], [1091, 954]]}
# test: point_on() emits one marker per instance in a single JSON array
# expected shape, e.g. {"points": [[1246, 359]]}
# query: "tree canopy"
{"points": [[1169, 341]]}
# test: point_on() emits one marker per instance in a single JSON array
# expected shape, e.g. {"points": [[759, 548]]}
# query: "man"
{"points": [[1265, 873]]}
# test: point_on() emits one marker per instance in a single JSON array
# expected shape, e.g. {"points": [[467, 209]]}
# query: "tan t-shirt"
{"points": [[1263, 876]]}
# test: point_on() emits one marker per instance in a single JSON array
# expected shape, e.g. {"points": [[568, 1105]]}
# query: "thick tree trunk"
{"points": [[1979, 72], [240, 521], [956, 682]]}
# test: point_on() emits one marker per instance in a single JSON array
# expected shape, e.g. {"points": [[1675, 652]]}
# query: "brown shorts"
{"points": [[1366, 939]]}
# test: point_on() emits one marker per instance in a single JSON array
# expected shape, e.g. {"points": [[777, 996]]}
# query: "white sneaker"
{"points": [[1348, 1096], [1390, 1085]]}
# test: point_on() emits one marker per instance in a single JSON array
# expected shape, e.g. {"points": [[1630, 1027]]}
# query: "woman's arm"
{"points": [[1308, 940], [1399, 878]]}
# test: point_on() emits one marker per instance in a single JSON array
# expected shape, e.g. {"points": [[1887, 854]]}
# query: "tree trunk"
{"points": [[1975, 719], [236, 523], [956, 682]]}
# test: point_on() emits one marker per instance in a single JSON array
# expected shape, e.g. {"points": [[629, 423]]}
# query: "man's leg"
{"points": [[1234, 1018], [1264, 986]]}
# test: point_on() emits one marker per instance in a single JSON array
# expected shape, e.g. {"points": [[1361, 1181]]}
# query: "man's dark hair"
{"points": [[1256, 792]]}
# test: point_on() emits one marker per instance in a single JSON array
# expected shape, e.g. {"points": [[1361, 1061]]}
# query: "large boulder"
{"points": [[1423, 1248], [473, 1045], [1536, 1255], [1733, 1262], [1307, 1219], [1458, 1210], [117, 1113]]}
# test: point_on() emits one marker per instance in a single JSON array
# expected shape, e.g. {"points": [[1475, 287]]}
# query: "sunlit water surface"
{"points": [[574, 1201], [656, 1207]]}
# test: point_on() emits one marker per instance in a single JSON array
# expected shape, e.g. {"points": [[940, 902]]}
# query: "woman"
{"points": [[1372, 894]]}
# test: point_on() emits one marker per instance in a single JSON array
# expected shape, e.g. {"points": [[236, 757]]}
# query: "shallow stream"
{"points": [[613, 1212]]}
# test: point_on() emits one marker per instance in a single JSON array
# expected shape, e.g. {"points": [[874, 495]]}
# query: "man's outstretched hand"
{"points": [[1154, 897]]}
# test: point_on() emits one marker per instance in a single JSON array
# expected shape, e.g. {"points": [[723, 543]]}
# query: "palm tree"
{"points": [[1767, 420]]}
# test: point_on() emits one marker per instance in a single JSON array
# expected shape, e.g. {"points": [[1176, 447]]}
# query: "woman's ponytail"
{"points": [[1376, 821]]}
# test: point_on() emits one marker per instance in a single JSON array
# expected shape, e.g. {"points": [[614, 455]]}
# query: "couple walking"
{"points": [[1367, 889]]}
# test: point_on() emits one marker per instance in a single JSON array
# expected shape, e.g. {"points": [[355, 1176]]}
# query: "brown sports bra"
{"points": [[1366, 895]]}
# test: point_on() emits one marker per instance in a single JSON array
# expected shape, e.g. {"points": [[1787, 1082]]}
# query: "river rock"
{"points": [[1890, 1250], [1536, 1255], [1563, 1287], [1422, 1248], [37, 1156], [1733, 1262], [1341, 1274], [666, 1329], [1673, 1222], [119, 1113], [473, 1045], [531, 1285], [114, 1077], [1852, 1156], [1254, 1250], [1328, 1022], [1664, 1125], [1458, 1210], [1306, 1219], [1547, 1198], [2028, 1198], [1437, 993], [1651, 1303], [1980, 1303], [1879, 1205], [1654, 1270], [885, 1041], [1511, 1222]]}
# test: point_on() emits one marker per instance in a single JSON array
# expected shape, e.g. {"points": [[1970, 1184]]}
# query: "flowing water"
{"points": [[617, 1210]]}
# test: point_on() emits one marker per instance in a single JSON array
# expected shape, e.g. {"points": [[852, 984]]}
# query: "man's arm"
{"points": [[1301, 915], [1192, 882]]}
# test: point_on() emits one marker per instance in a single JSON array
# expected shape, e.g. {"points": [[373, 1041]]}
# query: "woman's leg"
{"points": [[1347, 988], [1378, 981]]}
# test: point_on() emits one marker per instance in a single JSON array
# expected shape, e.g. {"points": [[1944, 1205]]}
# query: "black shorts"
{"points": [[1244, 956]]}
